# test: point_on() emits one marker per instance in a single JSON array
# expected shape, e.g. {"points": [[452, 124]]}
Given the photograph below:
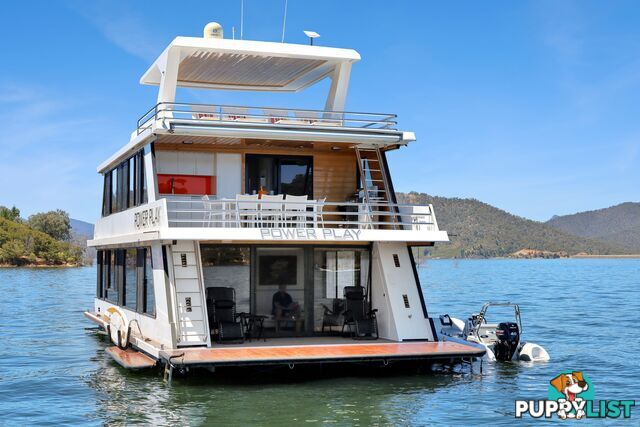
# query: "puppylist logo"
{"points": [[571, 396]]}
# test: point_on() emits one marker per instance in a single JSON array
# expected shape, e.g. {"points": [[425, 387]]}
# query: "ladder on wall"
{"points": [[375, 184]]}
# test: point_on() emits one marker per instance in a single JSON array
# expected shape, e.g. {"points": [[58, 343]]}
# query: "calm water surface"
{"points": [[585, 312]]}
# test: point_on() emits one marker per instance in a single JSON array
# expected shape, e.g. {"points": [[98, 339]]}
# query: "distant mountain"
{"points": [[618, 224], [82, 228], [477, 229], [82, 231]]}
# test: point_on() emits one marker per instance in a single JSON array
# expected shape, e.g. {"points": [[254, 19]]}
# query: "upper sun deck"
{"points": [[244, 65], [215, 63]]}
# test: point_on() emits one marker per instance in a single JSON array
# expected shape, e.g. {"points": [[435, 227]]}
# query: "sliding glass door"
{"points": [[279, 174], [293, 287]]}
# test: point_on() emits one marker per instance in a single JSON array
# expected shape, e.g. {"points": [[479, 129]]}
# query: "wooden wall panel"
{"points": [[334, 176]]}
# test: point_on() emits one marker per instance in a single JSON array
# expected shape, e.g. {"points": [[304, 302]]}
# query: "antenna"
{"points": [[312, 35], [284, 20], [241, 19]]}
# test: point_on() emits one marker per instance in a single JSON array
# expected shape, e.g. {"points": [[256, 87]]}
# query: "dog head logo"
{"points": [[574, 388], [571, 384]]}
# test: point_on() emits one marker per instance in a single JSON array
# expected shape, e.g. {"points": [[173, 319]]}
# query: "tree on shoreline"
{"points": [[55, 223]]}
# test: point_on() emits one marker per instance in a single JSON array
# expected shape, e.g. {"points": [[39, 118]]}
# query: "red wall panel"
{"points": [[186, 184]]}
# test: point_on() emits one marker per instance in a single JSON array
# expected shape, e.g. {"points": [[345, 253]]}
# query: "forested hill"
{"points": [[477, 229], [22, 245], [618, 224]]}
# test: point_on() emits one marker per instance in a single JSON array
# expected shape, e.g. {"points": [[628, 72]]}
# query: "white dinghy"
{"points": [[502, 341]]}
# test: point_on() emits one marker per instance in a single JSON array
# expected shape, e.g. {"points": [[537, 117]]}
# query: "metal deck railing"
{"points": [[264, 116], [232, 213]]}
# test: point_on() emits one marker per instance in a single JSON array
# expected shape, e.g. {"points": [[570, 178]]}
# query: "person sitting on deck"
{"points": [[283, 305]]}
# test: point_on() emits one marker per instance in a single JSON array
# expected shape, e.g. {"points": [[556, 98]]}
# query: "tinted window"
{"points": [[143, 178], [99, 257], [115, 206], [130, 281], [279, 174], [113, 291], [294, 177], [132, 183], [149, 295], [106, 195], [125, 186]]}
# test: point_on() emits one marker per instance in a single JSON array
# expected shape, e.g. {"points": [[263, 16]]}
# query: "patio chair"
{"points": [[271, 211], [276, 116], [318, 213], [208, 214], [246, 209], [234, 113], [308, 117], [296, 212], [221, 303], [333, 316], [362, 322]]}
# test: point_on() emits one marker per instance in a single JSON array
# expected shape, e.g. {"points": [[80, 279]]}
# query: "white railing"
{"points": [[232, 213], [264, 116]]}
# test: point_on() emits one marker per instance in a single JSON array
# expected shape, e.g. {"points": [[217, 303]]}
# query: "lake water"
{"points": [[584, 312]]}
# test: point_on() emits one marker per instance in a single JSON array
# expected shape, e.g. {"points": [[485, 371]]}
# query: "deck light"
{"points": [[187, 142], [312, 35]]}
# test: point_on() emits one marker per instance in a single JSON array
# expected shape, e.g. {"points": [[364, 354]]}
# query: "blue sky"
{"points": [[530, 106]]}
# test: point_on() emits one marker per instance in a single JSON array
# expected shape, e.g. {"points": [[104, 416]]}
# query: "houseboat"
{"points": [[240, 236]]}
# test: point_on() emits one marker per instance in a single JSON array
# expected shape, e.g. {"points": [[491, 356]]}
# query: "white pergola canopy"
{"points": [[250, 65]]}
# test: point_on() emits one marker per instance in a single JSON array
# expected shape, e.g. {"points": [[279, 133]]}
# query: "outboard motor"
{"points": [[508, 335]]}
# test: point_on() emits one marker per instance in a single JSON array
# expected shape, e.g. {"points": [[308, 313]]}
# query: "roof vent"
{"points": [[213, 30]]}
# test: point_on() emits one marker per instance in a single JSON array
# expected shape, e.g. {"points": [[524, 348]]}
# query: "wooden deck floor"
{"points": [[130, 359], [315, 353]]}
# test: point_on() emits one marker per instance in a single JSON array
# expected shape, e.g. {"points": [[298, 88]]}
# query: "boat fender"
{"points": [[118, 327], [531, 352]]}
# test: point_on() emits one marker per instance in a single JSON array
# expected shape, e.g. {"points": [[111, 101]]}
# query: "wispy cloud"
{"points": [[120, 26], [46, 148]]}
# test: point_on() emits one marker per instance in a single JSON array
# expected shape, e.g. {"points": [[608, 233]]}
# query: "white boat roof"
{"points": [[247, 65]]}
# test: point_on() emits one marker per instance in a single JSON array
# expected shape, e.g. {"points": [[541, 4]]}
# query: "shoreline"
{"points": [[42, 266], [634, 256]]}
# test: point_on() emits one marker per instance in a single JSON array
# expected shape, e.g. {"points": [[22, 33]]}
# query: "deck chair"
{"points": [[247, 210], [362, 322], [271, 211], [221, 303], [295, 213], [333, 316]]}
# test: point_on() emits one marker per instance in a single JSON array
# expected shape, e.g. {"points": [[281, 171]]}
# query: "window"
{"points": [[132, 183], [115, 206], [113, 290], [295, 176], [125, 186], [99, 271], [140, 184], [105, 273], [125, 278], [279, 174], [130, 279], [148, 295], [106, 195], [228, 266], [337, 269]]}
